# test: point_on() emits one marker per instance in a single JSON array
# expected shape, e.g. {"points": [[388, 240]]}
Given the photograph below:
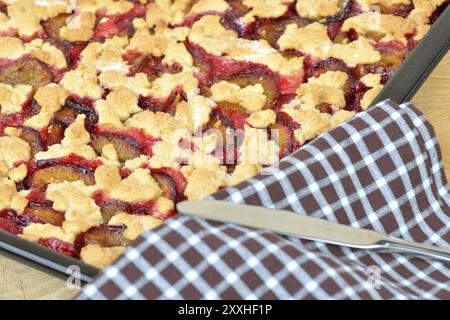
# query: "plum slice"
{"points": [[127, 148], [331, 64], [53, 25], [399, 9], [33, 138], [238, 7], [109, 210], [55, 133], [26, 71], [60, 246], [65, 116], [45, 214], [283, 136], [322, 66], [200, 60], [84, 106], [226, 150], [169, 105], [272, 29], [167, 185], [147, 64], [393, 58], [346, 8], [58, 173], [12, 222], [9, 226], [104, 235]]}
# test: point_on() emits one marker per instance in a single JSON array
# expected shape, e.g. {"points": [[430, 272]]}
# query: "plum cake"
{"points": [[112, 111]]}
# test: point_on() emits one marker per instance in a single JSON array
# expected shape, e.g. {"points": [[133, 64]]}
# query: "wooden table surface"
{"points": [[22, 281]]}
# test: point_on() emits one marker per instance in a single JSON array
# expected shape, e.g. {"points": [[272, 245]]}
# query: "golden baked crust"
{"points": [[111, 111]]}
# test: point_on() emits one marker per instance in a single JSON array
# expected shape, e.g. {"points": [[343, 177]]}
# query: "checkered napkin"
{"points": [[381, 170]]}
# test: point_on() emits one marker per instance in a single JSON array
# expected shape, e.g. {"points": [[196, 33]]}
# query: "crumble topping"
{"points": [[36, 231], [18, 173], [109, 152], [118, 106], [371, 80], [167, 154], [50, 98], [209, 33], [12, 98], [356, 52], [25, 15], [209, 5], [340, 116], [327, 88], [251, 97], [46, 53], [11, 48], [243, 172], [14, 150], [195, 112], [256, 148], [206, 143], [164, 12], [421, 30], [106, 116], [164, 205], [370, 95], [312, 124], [82, 82], [100, 256], [75, 141], [106, 56], [19, 202], [318, 9], [262, 119], [80, 210], [313, 39], [389, 26], [136, 225], [113, 80], [9, 197], [79, 28], [138, 186], [112, 7], [366, 4], [144, 42], [155, 124], [107, 177], [7, 192], [265, 9], [38, 121], [163, 86], [422, 11], [203, 181]]}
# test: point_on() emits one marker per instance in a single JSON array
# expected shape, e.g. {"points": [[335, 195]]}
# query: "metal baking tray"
{"points": [[400, 88]]}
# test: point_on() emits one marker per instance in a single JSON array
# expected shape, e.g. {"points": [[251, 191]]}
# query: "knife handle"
{"points": [[414, 248]]}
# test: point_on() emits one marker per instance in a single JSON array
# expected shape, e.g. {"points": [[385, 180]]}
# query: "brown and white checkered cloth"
{"points": [[381, 170]]}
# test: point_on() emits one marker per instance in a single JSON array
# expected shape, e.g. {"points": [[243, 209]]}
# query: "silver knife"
{"points": [[309, 228]]}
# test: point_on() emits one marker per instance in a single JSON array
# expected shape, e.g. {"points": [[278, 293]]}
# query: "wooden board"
{"points": [[22, 281]]}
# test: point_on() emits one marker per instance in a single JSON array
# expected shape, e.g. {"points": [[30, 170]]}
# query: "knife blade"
{"points": [[305, 227]]}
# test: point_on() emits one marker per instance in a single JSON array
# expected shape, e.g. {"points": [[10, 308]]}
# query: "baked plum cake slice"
{"points": [[113, 111]]}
